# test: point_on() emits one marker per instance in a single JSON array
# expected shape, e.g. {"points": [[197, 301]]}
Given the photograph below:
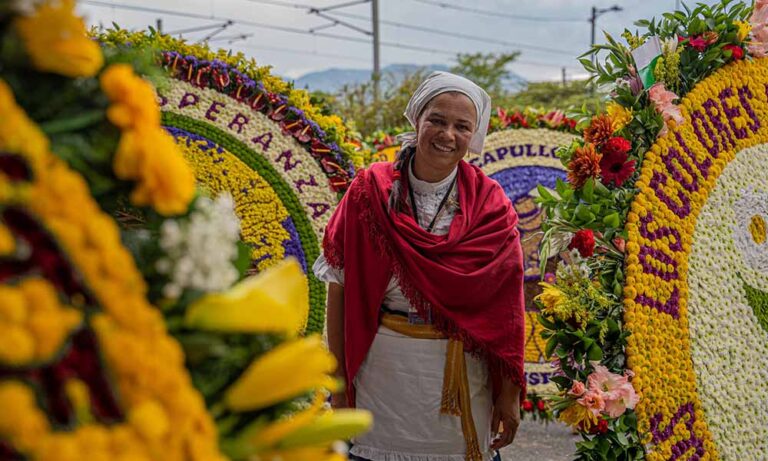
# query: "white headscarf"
{"points": [[444, 82]]}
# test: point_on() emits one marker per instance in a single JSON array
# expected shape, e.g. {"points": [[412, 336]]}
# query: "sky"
{"points": [[550, 34]]}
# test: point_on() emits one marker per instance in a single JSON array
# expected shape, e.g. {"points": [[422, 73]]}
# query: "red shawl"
{"points": [[471, 279]]}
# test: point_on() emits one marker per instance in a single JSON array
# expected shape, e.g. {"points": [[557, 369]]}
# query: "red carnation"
{"points": [[616, 169], [527, 405], [601, 427], [616, 145], [736, 51], [584, 241], [541, 405]]}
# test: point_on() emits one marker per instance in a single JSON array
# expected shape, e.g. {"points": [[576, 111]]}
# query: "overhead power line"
{"points": [[497, 14], [424, 29], [281, 28]]}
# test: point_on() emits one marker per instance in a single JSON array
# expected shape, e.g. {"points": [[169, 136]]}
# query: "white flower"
{"points": [[200, 249]]}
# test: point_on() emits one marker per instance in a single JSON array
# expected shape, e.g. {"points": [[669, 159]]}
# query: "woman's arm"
{"points": [[336, 335], [506, 413]]}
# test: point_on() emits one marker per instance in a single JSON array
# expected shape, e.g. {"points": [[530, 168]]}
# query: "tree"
{"points": [[488, 70], [553, 95]]}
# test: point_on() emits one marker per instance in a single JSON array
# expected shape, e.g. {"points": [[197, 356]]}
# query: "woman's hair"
{"points": [[400, 167]]}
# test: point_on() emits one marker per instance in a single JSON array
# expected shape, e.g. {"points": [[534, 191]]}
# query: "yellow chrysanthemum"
{"points": [[550, 297], [7, 242], [56, 40], [620, 115], [146, 153]]}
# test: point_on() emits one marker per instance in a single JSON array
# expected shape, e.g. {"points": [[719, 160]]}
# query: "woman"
{"points": [[425, 302]]}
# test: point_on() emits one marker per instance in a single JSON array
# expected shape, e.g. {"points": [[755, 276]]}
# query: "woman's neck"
{"points": [[429, 173]]}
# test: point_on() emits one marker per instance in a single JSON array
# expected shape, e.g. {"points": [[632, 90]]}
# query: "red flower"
{"points": [[736, 51], [600, 428], [527, 405], [616, 169], [616, 145], [541, 405], [584, 241]]}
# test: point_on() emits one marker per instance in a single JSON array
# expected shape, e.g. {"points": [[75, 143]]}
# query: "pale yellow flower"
{"points": [[275, 300], [619, 114], [288, 370]]}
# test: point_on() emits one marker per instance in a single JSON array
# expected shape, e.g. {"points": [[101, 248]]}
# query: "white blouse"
{"points": [[401, 379]]}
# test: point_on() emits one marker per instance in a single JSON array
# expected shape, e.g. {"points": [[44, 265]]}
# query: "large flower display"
{"points": [[658, 323], [248, 134], [128, 329]]}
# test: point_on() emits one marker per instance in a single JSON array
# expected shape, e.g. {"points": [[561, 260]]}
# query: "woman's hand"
{"points": [[506, 414]]}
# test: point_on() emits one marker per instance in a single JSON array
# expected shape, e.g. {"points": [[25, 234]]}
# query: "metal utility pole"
{"points": [[159, 24], [596, 13], [376, 66], [564, 82]]}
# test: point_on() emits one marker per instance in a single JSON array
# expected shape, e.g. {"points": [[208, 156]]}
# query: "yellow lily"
{"points": [[286, 371], [329, 427], [276, 300]]}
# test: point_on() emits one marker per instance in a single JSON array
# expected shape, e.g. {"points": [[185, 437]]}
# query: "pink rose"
{"points": [[578, 389], [620, 244], [594, 401]]}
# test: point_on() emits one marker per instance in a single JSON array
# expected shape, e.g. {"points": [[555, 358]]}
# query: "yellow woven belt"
{"points": [[455, 400]]}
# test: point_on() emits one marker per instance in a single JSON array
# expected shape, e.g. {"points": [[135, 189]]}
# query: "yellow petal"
{"points": [[288, 370], [329, 427], [275, 300]]}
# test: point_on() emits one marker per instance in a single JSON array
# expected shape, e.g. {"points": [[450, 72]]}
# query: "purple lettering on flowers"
{"points": [[714, 149], [488, 158], [302, 182], [288, 155], [671, 307], [161, 100], [502, 152], [684, 446], [683, 209], [265, 140], [661, 232], [189, 99], [319, 209], [646, 253], [214, 109], [713, 112], [702, 166], [731, 113], [516, 151], [239, 121], [745, 94]]}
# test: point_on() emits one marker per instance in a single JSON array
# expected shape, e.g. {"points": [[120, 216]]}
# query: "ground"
{"points": [[539, 442]]}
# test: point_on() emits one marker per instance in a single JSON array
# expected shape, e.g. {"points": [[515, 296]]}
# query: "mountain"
{"points": [[332, 80]]}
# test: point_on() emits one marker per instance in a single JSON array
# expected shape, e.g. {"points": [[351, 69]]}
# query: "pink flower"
{"points": [[617, 402], [758, 46], [616, 390], [620, 245], [594, 401], [578, 389], [662, 101]]}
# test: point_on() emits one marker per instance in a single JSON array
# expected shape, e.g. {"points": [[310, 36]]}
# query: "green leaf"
{"points": [[612, 220], [594, 352], [587, 191], [544, 193], [550, 347]]}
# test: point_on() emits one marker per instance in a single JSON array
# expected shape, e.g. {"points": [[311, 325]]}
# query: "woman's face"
{"points": [[444, 130]]}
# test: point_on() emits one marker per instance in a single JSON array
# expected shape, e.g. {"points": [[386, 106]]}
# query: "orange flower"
{"points": [[599, 130], [584, 164]]}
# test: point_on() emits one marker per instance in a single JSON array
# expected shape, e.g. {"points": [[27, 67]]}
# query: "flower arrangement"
{"points": [[504, 119], [646, 220], [113, 346]]}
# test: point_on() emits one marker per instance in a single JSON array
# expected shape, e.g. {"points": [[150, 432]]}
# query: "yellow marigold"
{"points": [[146, 154], [619, 115], [56, 40], [21, 420], [7, 242], [17, 132]]}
